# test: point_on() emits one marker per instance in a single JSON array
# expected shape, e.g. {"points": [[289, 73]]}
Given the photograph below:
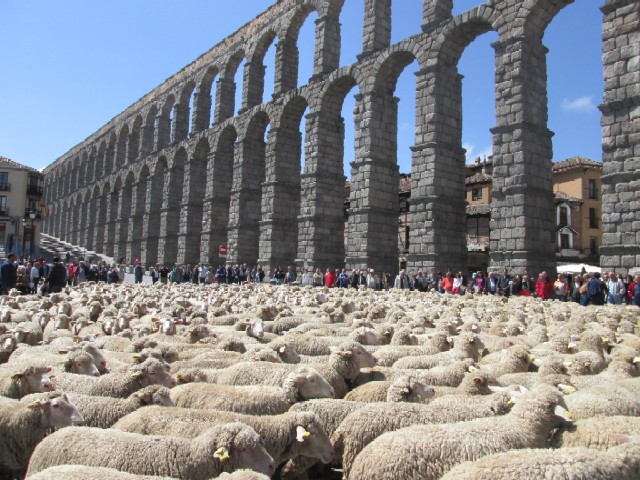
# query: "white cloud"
{"points": [[582, 104], [471, 154]]}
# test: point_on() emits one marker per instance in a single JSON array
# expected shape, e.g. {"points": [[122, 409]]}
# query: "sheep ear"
{"points": [[222, 454], [38, 404], [302, 433], [17, 376], [346, 353], [477, 380], [136, 375], [145, 397]]}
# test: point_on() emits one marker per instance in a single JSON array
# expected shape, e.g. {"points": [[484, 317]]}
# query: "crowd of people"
{"points": [[36, 275]]}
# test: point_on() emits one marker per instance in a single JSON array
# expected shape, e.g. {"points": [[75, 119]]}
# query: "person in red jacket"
{"points": [[544, 286], [330, 278]]}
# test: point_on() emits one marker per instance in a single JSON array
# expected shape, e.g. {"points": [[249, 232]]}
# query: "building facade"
{"points": [[21, 208], [166, 181]]}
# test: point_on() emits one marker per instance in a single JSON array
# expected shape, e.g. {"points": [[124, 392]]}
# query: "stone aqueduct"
{"points": [[145, 186]]}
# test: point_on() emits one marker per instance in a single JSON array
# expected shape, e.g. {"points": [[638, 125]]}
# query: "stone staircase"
{"points": [[52, 246]]}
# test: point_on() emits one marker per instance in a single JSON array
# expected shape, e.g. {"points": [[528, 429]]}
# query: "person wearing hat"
{"points": [[57, 278]]}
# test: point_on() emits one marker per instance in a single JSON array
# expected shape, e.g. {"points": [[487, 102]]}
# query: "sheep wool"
{"points": [[80, 472], [224, 448]]}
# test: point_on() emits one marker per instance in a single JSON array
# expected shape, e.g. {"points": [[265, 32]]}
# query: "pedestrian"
{"points": [[544, 287], [57, 278], [330, 278], [9, 273], [318, 278], [35, 277], [401, 281], [575, 289], [504, 283], [138, 271], [491, 285], [561, 288]]}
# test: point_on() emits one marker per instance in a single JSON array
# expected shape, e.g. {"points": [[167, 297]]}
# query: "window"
{"points": [[4, 181], [564, 241], [593, 193], [593, 219], [476, 194], [593, 247], [3, 205], [564, 216]]}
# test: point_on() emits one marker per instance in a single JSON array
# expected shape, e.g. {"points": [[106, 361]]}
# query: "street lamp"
{"points": [[29, 217]]}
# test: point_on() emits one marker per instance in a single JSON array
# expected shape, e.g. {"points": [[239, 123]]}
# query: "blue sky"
{"points": [[69, 66]]}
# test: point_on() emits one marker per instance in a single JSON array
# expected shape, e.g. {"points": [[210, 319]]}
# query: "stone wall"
{"points": [[145, 186]]}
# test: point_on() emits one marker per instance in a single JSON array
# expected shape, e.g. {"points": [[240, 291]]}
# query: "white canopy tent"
{"points": [[578, 268]]}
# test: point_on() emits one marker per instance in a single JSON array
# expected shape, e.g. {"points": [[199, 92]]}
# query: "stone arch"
{"points": [[163, 126], [534, 16], [152, 211], [248, 175], [91, 166], [202, 115], [133, 146], [148, 131], [110, 155], [287, 55], [226, 88], [82, 170], [75, 175], [121, 148], [100, 160], [215, 218], [170, 221], [181, 124], [254, 75], [281, 188], [193, 191]]}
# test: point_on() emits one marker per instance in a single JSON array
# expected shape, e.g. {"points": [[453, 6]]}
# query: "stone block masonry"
{"points": [[145, 186]]}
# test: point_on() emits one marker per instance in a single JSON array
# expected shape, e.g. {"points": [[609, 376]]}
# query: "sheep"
{"points": [[285, 435], [388, 355], [18, 380], [515, 359], [226, 447], [474, 383], [302, 384], [80, 472], [24, 425], [622, 366], [7, 346], [103, 412], [306, 344], [403, 389], [117, 384], [466, 346], [595, 432], [619, 463], [29, 333], [432, 450], [362, 426], [343, 365], [603, 400]]}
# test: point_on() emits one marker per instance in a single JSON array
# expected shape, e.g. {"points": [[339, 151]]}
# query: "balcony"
{"points": [[35, 190], [5, 187]]}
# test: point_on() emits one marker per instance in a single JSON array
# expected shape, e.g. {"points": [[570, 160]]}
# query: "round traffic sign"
{"points": [[222, 250]]}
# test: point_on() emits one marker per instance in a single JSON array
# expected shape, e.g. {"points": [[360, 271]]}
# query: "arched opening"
{"points": [[191, 207], [281, 190], [134, 140], [575, 82], [164, 122], [406, 19], [170, 216], [152, 213], [138, 205], [238, 80], [248, 175], [352, 26], [182, 111], [148, 131], [305, 22], [121, 151], [109, 159], [215, 219], [269, 69]]}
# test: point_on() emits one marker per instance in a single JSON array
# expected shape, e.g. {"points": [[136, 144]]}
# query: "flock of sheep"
{"points": [[258, 381]]}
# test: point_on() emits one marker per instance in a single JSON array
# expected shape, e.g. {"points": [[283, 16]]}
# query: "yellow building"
{"points": [[577, 185], [21, 208]]}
